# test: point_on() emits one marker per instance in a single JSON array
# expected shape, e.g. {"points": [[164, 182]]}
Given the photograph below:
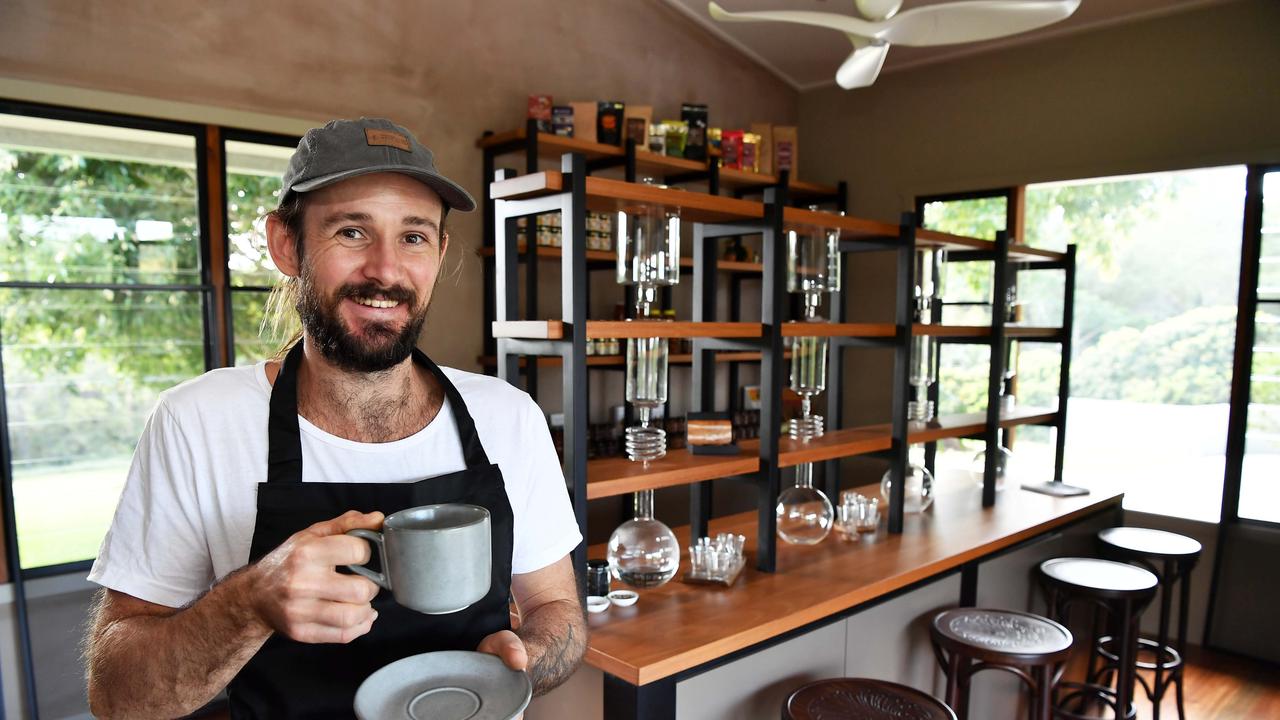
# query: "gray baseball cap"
{"points": [[347, 148]]}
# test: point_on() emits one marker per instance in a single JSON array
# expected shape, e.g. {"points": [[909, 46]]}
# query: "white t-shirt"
{"points": [[188, 509]]}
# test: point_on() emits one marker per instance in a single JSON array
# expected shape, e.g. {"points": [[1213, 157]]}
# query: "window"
{"points": [[1156, 289], [254, 168], [107, 298], [102, 306]]}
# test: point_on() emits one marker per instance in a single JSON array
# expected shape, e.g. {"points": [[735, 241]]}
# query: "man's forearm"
{"points": [[145, 666], [555, 636]]}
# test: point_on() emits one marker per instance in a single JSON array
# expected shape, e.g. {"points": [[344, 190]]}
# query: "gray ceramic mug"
{"points": [[436, 559]]}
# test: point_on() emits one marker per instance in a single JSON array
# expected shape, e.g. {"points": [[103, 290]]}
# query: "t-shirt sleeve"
{"points": [[545, 529], [155, 549]]}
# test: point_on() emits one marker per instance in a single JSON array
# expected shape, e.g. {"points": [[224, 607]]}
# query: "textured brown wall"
{"points": [[447, 70], [1194, 89]]}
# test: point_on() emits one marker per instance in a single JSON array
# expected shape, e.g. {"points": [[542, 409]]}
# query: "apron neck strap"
{"points": [[284, 439]]}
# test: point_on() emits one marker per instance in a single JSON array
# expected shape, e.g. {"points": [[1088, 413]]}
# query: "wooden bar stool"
{"points": [[1171, 557], [1121, 592], [862, 699], [970, 640]]}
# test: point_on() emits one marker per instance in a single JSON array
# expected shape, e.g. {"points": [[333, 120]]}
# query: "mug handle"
{"points": [[374, 538]]}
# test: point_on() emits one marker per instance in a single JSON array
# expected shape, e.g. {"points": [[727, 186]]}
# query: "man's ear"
{"points": [[444, 243], [281, 245]]}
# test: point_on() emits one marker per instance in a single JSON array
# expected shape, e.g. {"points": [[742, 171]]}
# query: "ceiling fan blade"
{"points": [[832, 21], [972, 20], [862, 67]]}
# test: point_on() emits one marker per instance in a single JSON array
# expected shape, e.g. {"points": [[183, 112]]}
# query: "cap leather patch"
{"points": [[390, 138]]}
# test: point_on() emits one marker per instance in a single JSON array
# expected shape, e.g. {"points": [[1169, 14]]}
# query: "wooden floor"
{"points": [[1222, 687]]}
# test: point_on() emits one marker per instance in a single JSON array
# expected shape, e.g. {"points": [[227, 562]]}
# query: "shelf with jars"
{"points": [[635, 161], [799, 342]]}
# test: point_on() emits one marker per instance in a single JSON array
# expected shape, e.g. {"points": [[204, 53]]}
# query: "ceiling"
{"points": [[807, 57]]}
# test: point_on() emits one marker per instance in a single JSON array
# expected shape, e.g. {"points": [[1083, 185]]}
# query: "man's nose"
{"points": [[381, 261]]}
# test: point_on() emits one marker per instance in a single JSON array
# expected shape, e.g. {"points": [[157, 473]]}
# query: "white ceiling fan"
{"points": [[942, 24]]}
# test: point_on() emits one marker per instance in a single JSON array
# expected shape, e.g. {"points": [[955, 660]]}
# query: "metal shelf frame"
{"points": [[777, 308]]}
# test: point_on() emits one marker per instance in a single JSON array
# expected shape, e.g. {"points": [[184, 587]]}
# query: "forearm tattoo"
{"points": [[556, 647]]}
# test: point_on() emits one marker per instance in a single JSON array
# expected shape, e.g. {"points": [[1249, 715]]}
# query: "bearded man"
{"points": [[221, 566]]}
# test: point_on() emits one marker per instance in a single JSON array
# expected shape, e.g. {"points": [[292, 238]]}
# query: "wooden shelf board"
{"points": [[851, 228], [934, 238], [522, 187], [554, 329], [951, 330], [801, 188], [1010, 331], [649, 162], [529, 329], [845, 442], [605, 195], [552, 145], [825, 329], [964, 425], [548, 252], [1026, 331], [620, 360], [662, 328], [618, 476], [739, 266], [1026, 253], [701, 623]]}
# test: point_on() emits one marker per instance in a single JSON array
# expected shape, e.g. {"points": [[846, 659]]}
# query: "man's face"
{"points": [[371, 254]]}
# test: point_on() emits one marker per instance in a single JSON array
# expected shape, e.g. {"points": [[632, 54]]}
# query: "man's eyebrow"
{"points": [[419, 221], [360, 217]]}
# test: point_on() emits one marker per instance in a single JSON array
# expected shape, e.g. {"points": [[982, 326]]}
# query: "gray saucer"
{"points": [[449, 685]]}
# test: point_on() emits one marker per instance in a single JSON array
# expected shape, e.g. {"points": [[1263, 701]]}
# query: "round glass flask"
{"points": [[643, 552]]}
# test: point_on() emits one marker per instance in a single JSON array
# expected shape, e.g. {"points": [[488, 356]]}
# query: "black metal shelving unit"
{"points": [[570, 199]]}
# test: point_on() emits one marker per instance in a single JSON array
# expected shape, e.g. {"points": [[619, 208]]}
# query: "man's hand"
{"points": [[297, 591], [508, 646]]}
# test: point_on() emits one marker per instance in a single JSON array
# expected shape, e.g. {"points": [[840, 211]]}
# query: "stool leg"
{"points": [[1184, 599], [1041, 704], [961, 707], [1128, 632], [1166, 602]]}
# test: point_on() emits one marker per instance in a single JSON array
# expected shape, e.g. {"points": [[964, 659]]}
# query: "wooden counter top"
{"points": [[680, 626]]}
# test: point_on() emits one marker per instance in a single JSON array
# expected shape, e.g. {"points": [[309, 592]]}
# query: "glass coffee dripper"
{"points": [[929, 265], [804, 512], [643, 552], [646, 391], [917, 484], [648, 243], [813, 263], [1004, 463]]}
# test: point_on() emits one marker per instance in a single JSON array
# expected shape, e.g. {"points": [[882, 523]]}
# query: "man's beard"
{"points": [[381, 347]]}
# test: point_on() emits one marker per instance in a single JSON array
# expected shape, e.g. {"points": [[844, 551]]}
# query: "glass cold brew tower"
{"points": [[643, 552], [924, 348], [805, 514]]}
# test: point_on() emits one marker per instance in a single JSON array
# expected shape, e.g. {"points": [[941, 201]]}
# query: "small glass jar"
{"points": [[598, 577]]}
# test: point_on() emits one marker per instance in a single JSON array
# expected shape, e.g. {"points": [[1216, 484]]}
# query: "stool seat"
{"points": [[1003, 634], [967, 641], [1101, 577], [862, 699], [1149, 543]]}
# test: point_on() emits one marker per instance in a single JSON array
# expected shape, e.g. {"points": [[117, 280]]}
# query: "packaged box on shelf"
{"points": [[786, 150], [562, 120], [584, 120], [540, 110], [638, 120], [695, 118], [731, 149], [609, 115], [764, 150]]}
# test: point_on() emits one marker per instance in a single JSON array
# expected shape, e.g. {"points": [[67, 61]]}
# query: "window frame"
{"points": [[213, 288], [248, 136]]}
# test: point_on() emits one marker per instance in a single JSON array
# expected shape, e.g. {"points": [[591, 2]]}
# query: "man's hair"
{"points": [[280, 317]]}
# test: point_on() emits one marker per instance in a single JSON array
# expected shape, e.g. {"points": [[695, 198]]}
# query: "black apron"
{"points": [[288, 679]]}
